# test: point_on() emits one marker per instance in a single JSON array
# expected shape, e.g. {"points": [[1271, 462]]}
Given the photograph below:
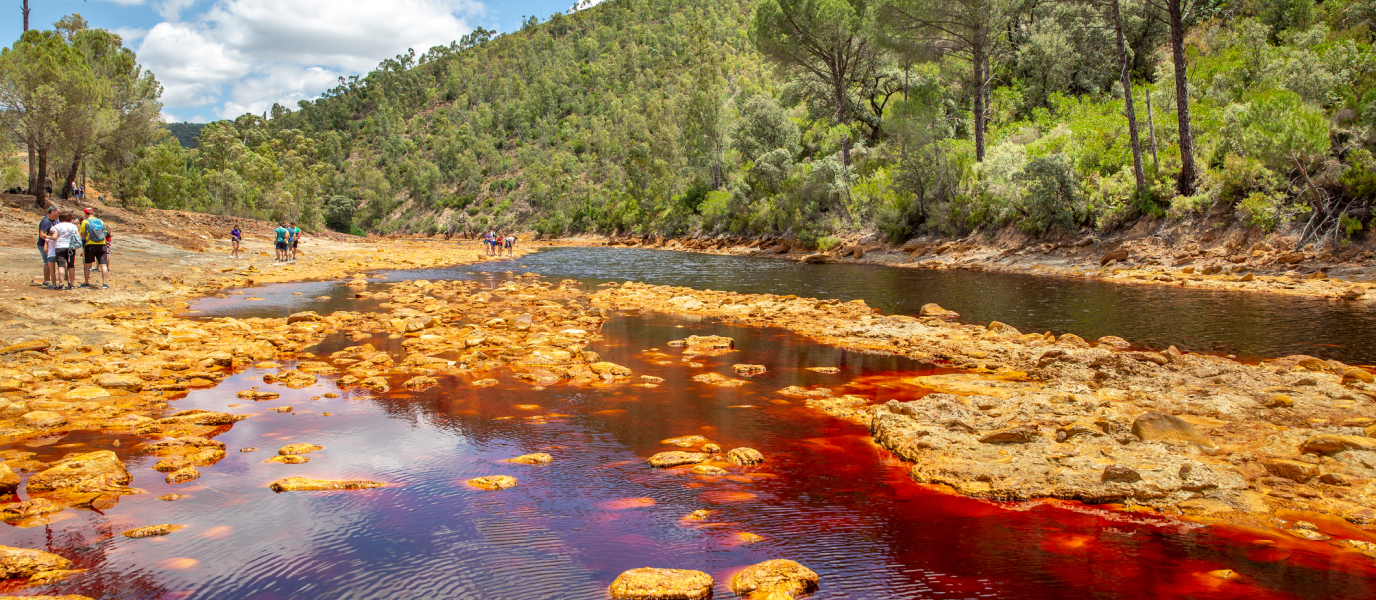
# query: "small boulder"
{"points": [[293, 449], [744, 456], [708, 470], [89, 472], [41, 419], [306, 316], [1120, 473], [1010, 435], [1356, 375], [151, 531], [1328, 443], [1159, 426], [648, 583], [676, 458], [932, 309], [9, 480], [1293, 470], [778, 578], [538, 458], [25, 562], [493, 483], [685, 441], [183, 475]]}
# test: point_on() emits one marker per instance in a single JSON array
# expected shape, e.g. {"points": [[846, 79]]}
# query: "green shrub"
{"points": [[1266, 211], [1053, 194]]}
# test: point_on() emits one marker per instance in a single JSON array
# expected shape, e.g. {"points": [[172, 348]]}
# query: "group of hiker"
{"points": [[61, 235], [288, 237], [495, 243]]}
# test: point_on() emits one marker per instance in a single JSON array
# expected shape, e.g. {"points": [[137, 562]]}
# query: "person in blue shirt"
{"points": [[236, 237], [281, 232]]}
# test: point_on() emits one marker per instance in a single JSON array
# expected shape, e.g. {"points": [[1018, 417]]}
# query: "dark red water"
{"points": [[826, 497]]}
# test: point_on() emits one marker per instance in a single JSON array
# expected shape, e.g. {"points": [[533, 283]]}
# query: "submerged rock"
{"points": [[292, 449], [304, 484], [493, 483], [774, 579], [648, 583], [686, 441], [537, 458], [151, 531], [183, 475], [25, 562]]}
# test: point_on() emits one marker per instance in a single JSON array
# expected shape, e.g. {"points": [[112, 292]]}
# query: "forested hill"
{"points": [[185, 133], [684, 117]]}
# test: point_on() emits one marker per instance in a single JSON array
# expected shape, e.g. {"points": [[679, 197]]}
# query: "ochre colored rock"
{"points": [[779, 578], [24, 562], [304, 484], [49, 578], [87, 392], [289, 460], [709, 342], [1328, 443], [1159, 426], [748, 369], [9, 480], [257, 395], [98, 471], [648, 583], [675, 458], [744, 456], [151, 531], [932, 309], [291, 449], [493, 483], [183, 475], [708, 470], [420, 382], [1355, 375], [303, 317], [538, 458], [31, 345], [686, 441], [1121, 474], [1291, 469], [41, 419], [1010, 435]]}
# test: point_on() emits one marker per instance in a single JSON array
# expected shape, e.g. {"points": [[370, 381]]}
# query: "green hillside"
{"points": [[185, 133], [640, 116]]}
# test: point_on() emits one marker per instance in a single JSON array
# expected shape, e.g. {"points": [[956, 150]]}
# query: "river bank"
{"points": [[1234, 259], [997, 414]]}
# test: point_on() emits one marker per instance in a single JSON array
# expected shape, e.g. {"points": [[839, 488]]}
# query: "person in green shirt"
{"points": [[281, 232]]}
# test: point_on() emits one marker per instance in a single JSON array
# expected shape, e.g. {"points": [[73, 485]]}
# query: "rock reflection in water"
{"points": [[824, 496]]}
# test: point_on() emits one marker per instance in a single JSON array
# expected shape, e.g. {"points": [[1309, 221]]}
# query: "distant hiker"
{"points": [[281, 232], [510, 244], [67, 240], [94, 234], [295, 239], [236, 237], [45, 227]]}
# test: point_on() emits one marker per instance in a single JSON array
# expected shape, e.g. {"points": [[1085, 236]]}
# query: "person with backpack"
{"points": [[236, 237], [295, 239], [66, 242], [94, 238]]}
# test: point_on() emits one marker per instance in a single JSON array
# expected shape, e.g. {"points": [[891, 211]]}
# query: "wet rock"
{"points": [[304, 484], [40, 419], [709, 342], [779, 578], [99, 471], [420, 382], [201, 417], [28, 508], [289, 460], [1114, 342], [493, 483], [686, 441], [24, 562], [748, 369], [293, 449], [1120, 473], [676, 458], [303, 317], [86, 392], [1159, 426], [139, 533], [744, 456], [708, 470], [933, 309], [67, 597], [257, 395], [1328, 443], [9, 480], [1010, 435], [716, 379], [825, 370], [1355, 375], [1291, 469], [711, 448], [49, 578], [661, 584], [998, 327], [538, 458], [612, 369], [376, 384], [183, 475]]}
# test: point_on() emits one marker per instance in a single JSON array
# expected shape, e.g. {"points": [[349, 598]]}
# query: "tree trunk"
{"points": [[838, 88], [33, 170], [1188, 172], [1125, 73], [26, 15], [978, 60], [68, 187], [41, 193], [1151, 125]]}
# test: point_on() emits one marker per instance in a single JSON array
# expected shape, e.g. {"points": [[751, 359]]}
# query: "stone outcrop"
{"points": [[661, 584]]}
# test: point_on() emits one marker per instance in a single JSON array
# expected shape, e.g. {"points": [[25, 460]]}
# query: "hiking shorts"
{"points": [[66, 257], [43, 251], [95, 253], [281, 245], [295, 243]]}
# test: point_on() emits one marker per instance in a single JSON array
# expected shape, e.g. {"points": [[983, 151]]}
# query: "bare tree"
{"points": [[26, 15], [1176, 13]]}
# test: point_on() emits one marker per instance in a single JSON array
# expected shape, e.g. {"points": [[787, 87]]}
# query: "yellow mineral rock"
{"points": [[493, 483], [661, 584]]}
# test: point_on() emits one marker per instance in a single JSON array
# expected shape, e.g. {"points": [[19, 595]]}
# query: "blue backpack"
{"points": [[95, 231]]}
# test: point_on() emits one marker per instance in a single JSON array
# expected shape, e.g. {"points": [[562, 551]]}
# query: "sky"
{"points": [[218, 59]]}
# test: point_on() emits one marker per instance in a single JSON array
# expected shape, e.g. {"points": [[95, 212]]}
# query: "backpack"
{"points": [[95, 231]]}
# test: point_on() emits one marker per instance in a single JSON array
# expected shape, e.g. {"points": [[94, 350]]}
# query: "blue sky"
{"points": [[221, 58]]}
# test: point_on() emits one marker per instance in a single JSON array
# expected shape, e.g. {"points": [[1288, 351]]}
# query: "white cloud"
{"points": [[248, 54], [129, 34], [172, 9]]}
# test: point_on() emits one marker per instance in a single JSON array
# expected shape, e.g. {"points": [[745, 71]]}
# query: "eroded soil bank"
{"points": [[1282, 446]]}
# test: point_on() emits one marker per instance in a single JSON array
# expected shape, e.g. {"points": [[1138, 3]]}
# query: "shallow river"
{"points": [[826, 496]]}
